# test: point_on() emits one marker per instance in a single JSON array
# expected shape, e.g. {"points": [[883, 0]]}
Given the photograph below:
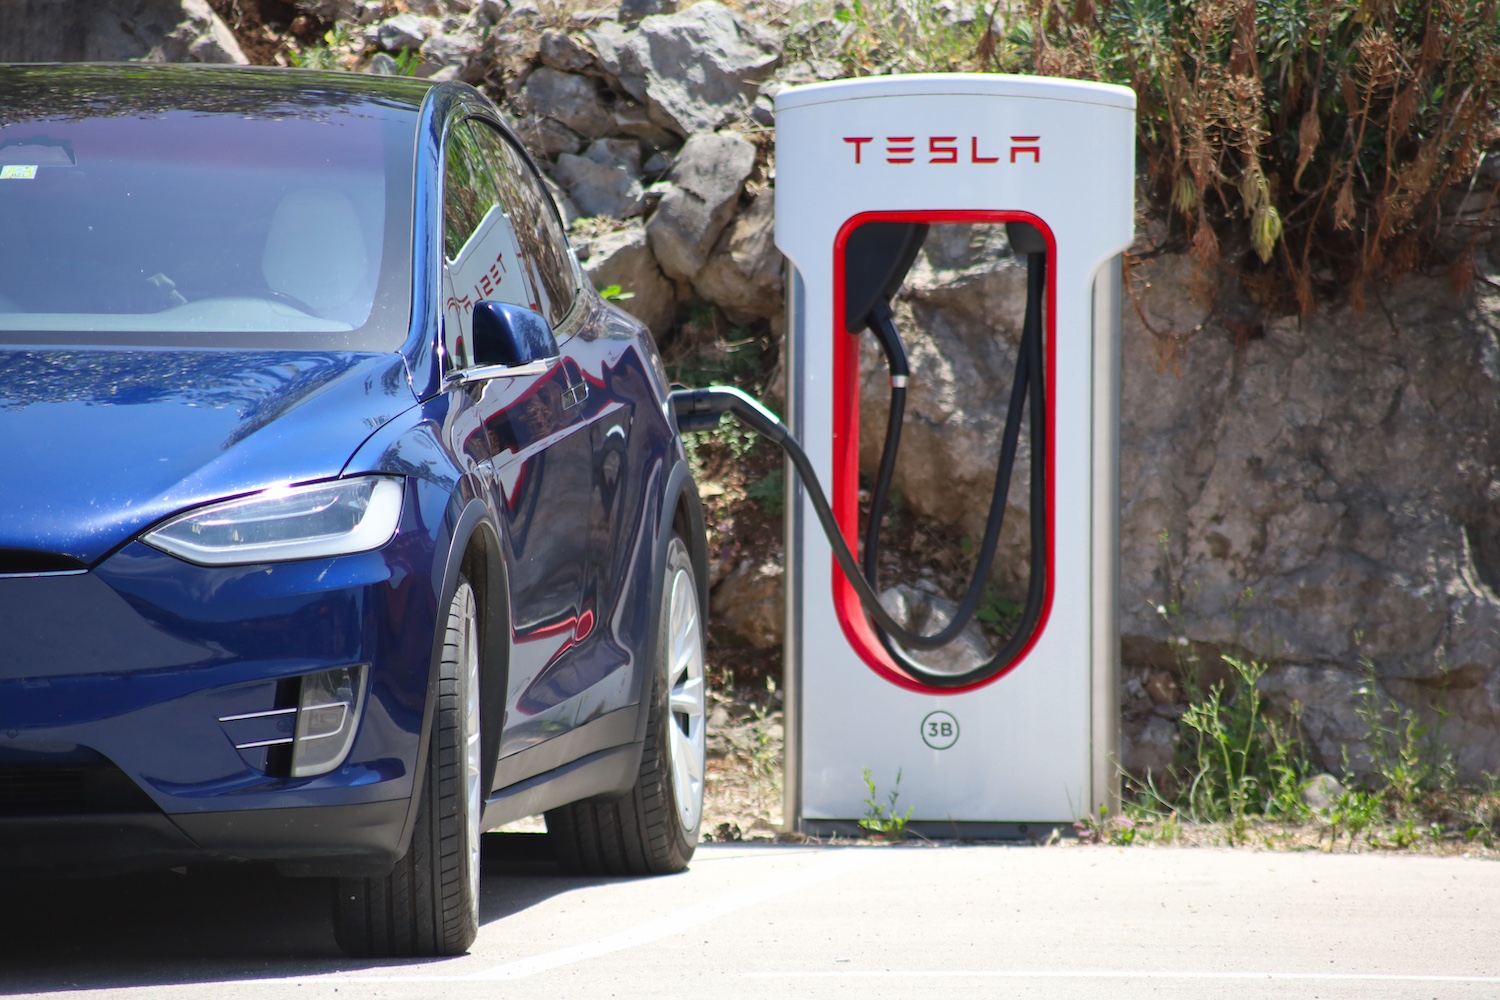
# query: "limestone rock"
{"points": [[927, 613], [85, 31], [1328, 492], [568, 99], [749, 602], [699, 197], [382, 64], [1148, 750], [1322, 792], [550, 138], [634, 120], [330, 10], [606, 180], [441, 51], [561, 52], [489, 12], [694, 70], [1327, 699], [743, 275], [632, 11], [624, 258], [405, 31]]}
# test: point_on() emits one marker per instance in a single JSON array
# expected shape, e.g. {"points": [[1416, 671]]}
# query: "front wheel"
{"points": [[653, 828], [429, 903]]}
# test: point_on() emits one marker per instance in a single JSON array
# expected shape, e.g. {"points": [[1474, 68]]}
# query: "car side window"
{"points": [[483, 254], [544, 245]]}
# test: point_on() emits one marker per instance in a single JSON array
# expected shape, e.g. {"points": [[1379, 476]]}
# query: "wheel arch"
{"points": [[681, 513], [474, 551]]}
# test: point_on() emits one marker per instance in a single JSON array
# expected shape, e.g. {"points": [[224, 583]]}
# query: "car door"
{"points": [[534, 441], [596, 672]]}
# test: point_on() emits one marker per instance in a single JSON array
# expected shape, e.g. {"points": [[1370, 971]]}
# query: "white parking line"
{"points": [[1373, 977]]}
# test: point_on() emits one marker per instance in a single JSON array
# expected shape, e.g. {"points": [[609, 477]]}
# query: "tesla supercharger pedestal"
{"points": [[1037, 744]]}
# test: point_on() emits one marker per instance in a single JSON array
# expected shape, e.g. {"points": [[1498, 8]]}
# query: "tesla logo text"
{"points": [[944, 149], [490, 280]]}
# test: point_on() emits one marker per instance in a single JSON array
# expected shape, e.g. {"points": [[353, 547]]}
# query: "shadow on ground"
{"points": [[215, 922]]}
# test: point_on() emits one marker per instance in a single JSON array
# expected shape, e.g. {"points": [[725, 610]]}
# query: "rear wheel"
{"points": [[653, 828], [429, 903]]}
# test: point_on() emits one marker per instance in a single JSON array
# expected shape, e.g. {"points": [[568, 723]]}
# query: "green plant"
{"points": [[882, 36], [315, 57], [1242, 761], [324, 55], [1406, 754], [769, 492], [999, 612], [765, 754], [730, 437], [733, 364], [881, 818], [1354, 812], [408, 61], [1120, 831], [1483, 812], [613, 293]]}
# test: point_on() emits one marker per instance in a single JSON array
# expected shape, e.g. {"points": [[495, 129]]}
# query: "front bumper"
{"points": [[134, 663]]}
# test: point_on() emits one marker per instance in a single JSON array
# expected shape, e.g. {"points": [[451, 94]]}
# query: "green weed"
{"points": [[407, 62], [999, 612], [325, 56], [769, 492], [1242, 760], [881, 818]]}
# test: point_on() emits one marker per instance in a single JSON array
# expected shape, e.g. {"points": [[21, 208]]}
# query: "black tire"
{"points": [[429, 903], [652, 829]]}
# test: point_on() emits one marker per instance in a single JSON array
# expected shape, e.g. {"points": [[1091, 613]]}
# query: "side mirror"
{"points": [[511, 335]]}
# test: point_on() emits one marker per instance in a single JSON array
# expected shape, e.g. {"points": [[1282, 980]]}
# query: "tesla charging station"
{"points": [[1031, 740]]}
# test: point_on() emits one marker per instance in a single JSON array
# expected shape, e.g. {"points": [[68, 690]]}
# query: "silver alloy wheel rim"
{"points": [[469, 679], [686, 747]]}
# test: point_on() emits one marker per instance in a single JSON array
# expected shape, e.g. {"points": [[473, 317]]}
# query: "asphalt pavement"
{"points": [[804, 921]]}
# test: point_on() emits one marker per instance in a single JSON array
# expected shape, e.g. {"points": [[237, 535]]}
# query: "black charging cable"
{"points": [[701, 410]]}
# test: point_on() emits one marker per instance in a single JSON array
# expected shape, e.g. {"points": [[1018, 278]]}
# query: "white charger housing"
{"points": [[1037, 744]]}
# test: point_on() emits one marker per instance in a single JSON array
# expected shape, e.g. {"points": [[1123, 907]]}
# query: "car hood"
{"points": [[98, 444]]}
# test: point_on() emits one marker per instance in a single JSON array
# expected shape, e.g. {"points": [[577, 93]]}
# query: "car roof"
{"points": [[32, 91]]}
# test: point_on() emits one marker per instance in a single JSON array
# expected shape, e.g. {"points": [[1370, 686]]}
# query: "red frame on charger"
{"points": [[851, 614]]}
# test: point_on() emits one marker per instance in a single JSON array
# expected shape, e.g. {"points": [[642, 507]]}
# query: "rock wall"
{"points": [[1321, 493], [87, 30]]}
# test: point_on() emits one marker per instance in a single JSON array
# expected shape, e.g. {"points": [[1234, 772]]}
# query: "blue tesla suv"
{"points": [[342, 519]]}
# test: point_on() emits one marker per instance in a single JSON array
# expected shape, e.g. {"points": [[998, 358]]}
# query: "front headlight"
{"points": [[292, 522]]}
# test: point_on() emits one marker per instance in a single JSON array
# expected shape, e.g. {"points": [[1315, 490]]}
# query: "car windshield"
{"points": [[264, 215]]}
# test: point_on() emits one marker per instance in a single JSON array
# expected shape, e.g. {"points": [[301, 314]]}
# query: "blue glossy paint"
{"points": [[112, 441], [139, 658]]}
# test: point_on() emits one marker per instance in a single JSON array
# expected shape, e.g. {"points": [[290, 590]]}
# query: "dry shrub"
{"points": [[1307, 143]]}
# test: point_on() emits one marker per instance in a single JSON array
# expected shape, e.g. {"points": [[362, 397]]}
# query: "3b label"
{"points": [[939, 730]]}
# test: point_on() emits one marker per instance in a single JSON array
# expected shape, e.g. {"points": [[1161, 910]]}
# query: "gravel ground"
{"points": [[742, 800]]}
